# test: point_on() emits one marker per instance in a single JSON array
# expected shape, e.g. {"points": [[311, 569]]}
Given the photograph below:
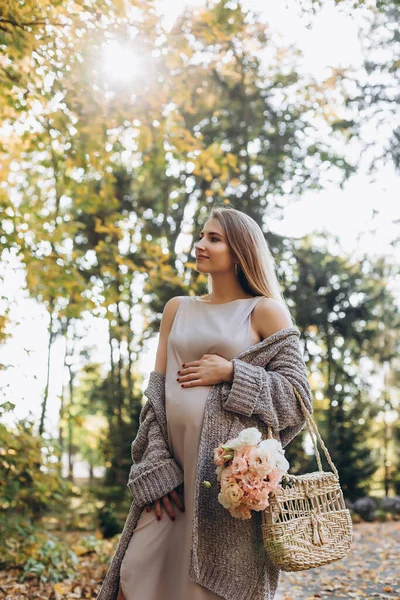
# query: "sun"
{"points": [[120, 62]]}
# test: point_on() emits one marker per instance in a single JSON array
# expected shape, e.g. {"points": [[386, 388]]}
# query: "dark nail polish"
{"points": [[173, 518], [158, 518]]}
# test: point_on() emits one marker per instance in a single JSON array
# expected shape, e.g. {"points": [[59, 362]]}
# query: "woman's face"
{"points": [[214, 246]]}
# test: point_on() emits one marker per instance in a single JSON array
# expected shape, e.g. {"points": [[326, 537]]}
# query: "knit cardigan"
{"points": [[227, 554]]}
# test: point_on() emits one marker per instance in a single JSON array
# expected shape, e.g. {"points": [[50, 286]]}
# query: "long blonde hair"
{"points": [[256, 267]]}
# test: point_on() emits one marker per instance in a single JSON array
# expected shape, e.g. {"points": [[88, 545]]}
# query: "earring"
{"points": [[236, 268]]}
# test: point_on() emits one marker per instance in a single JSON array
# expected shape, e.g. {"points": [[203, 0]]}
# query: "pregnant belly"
{"points": [[184, 405], [185, 412]]}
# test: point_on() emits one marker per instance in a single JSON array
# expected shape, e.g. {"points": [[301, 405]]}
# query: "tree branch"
{"points": [[30, 23]]}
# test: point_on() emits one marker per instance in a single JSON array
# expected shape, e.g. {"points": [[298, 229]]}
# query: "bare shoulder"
{"points": [[270, 316], [167, 320], [169, 313]]}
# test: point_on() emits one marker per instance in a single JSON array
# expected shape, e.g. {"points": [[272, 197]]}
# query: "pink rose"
{"points": [[219, 455], [244, 452], [231, 495], [240, 512], [239, 465], [257, 499], [251, 481], [227, 477], [259, 461], [275, 476]]}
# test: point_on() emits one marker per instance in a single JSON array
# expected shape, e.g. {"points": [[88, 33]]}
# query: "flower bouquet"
{"points": [[248, 469]]}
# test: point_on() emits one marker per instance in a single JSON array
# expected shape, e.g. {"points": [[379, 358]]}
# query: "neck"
{"points": [[225, 287]]}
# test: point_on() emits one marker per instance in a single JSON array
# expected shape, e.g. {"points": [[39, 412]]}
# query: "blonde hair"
{"points": [[256, 266]]}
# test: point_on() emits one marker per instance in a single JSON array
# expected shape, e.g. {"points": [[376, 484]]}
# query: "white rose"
{"points": [[250, 436], [271, 447], [218, 471], [226, 503], [232, 444], [281, 462]]}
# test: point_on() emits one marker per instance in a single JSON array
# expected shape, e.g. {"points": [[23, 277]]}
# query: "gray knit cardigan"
{"points": [[227, 554]]}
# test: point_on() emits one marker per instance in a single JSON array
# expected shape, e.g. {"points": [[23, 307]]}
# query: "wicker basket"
{"points": [[307, 523]]}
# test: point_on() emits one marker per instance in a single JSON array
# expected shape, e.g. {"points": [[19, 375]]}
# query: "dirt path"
{"points": [[371, 570]]}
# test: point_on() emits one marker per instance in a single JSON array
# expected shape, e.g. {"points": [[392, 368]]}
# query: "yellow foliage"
{"points": [[61, 589]]}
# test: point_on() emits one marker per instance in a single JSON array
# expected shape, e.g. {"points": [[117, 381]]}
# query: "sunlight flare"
{"points": [[120, 62]]}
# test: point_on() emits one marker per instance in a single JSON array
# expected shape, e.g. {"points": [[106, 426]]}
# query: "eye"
{"points": [[212, 238]]}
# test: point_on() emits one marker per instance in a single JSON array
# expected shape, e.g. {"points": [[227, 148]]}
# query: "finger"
{"points": [[188, 377], [192, 382], [191, 364], [168, 507], [158, 510], [177, 500], [187, 371]]}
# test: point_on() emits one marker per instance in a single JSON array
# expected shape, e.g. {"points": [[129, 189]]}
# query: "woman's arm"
{"points": [[268, 391], [154, 472], [167, 320]]}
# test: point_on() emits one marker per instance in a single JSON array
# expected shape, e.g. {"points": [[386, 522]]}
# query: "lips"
{"points": [[201, 256]]}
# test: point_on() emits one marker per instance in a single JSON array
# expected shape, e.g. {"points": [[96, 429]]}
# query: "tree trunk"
{"points": [[46, 391], [70, 426]]}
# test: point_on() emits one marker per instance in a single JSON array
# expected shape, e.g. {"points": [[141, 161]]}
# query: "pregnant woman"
{"points": [[200, 336]]}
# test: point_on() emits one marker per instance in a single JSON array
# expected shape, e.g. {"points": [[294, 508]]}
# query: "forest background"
{"points": [[122, 124]]}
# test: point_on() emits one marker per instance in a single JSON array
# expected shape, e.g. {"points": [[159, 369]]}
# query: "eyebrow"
{"points": [[213, 233]]}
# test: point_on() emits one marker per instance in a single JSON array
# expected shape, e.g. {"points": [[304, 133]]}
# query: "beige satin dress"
{"points": [[156, 563]]}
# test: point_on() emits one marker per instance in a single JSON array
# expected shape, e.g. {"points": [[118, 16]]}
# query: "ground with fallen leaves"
{"points": [[371, 570]]}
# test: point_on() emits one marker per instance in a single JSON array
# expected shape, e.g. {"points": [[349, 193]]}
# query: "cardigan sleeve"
{"points": [[267, 391], [154, 473]]}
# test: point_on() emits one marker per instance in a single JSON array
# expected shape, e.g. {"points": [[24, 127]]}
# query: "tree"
{"points": [[106, 175], [343, 308], [372, 93]]}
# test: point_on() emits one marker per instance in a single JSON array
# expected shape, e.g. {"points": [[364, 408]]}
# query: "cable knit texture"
{"points": [[227, 554]]}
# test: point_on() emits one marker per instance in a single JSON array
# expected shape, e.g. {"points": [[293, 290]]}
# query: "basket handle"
{"points": [[313, 431]]}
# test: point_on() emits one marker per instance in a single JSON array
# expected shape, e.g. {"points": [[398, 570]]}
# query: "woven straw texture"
{"points": [[307, 524]]}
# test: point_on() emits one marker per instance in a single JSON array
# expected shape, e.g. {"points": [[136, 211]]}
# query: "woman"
{"points": [[225, 361]]}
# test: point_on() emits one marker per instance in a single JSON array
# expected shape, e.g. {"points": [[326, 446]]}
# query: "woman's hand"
{"points": [[209, 370], [167, 503]]}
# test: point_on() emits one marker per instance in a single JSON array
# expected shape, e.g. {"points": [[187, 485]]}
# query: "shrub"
{"points": [[49, 560], [30, 482], [390, 505], [365, 507], [109, 523]]}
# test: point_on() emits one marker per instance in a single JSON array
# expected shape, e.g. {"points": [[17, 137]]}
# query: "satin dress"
{"points": [[156, 562]]}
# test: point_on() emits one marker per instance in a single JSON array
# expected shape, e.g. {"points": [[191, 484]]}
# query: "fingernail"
{"points": [[173, 518], [158, 518], [148, 509]]}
